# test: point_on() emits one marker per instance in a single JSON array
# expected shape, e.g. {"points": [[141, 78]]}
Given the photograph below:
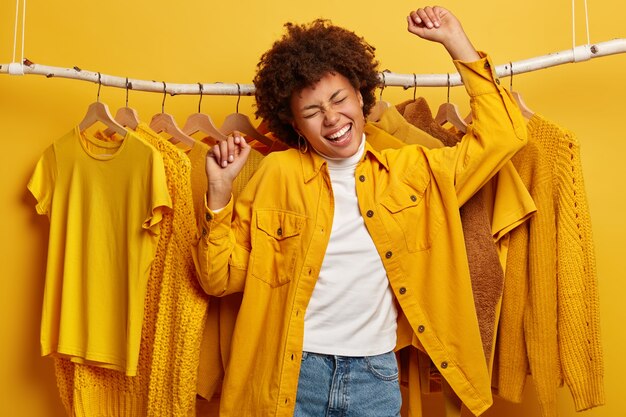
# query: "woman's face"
{"points": [[329, 115]]}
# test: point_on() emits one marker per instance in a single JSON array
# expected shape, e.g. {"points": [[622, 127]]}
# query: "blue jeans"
{"points": [[344, 386]]}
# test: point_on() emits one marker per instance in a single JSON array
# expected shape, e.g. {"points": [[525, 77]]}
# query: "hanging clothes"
{"points": [[550, 327], [182, 304], [528, 330], [577, 283], [102, 241], [175, 307]]}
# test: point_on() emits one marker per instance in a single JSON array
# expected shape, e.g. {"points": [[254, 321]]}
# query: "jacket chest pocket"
{"points": [[411, 212], [275, 246]]}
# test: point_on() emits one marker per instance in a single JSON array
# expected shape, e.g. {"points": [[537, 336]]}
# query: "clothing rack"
{"points": [[388, 79]]}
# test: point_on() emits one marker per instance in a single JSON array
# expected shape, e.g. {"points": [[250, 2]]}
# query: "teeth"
{"points": [[339, 133]]}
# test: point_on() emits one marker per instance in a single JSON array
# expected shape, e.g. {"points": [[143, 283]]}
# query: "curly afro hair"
{"points": [[300, 59]]}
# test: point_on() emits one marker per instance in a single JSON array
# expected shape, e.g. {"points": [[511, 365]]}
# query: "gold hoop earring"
{"points": [[303, 147]]}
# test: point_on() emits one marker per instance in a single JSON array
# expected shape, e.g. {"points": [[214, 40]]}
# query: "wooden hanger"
{"points": [[125, 116], [378, 109], [165, 123], [526, 111], [449, 112], [99, 112], [241, 123], [200, 122]]}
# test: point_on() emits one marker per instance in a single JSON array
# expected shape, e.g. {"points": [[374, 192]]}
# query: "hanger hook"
{"points": [[200, 101], [384, 85], [511, 68], [448, 99], [164, 95], [126, 91], [414, 85], [238, 97], [99, 86]]}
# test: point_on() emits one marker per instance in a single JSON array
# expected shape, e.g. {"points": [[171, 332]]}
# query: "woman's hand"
{"points": [[440, 25], [223, 164]]}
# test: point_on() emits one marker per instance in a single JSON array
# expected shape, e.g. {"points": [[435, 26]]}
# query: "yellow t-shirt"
{"points": [[104, 201]]}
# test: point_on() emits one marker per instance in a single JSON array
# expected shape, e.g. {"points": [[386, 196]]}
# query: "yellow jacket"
{"points": [[409, 198]]}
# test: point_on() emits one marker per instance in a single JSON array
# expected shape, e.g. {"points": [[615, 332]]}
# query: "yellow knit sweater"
{"points": [[577, 287], [527, 330], [175, 308], [551, 283]]}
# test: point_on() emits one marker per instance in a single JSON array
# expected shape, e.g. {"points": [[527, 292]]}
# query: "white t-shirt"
{"points": [[352, 310]]}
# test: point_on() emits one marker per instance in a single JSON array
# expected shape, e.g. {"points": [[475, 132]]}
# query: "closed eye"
{"points": [[310, 115]]}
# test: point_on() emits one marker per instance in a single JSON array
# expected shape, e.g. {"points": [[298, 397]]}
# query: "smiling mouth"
{"points": [[341, 134]]}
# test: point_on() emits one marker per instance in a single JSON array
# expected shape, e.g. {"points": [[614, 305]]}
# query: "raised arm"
{"points": [[437, 24], [213, 249], [497, 129]]}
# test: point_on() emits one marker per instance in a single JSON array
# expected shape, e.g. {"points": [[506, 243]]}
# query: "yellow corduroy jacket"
{"points": [[272, 246]]}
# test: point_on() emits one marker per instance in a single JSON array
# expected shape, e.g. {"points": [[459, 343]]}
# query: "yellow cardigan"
{"points": [[550, 317], [280, 227]]}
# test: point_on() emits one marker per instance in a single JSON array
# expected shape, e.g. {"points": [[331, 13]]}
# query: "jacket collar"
{"points": [[312, 162], [374, 133]]}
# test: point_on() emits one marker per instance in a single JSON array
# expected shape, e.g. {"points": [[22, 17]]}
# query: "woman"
{"points": [[345, 254]]}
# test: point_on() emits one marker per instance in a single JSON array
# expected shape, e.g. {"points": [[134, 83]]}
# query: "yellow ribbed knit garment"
{"points": [[527, 332], [577, 286], [551, 283], [182, 308], [175, 309]]}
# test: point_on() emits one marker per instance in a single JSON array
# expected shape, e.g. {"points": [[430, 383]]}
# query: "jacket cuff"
{"points": [[216, 222], [479, 77]]}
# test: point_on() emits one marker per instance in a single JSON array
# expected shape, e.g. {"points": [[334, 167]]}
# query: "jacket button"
{"points": [[362, 178], [369, 213], [204, 231], [487, 66], [403, 291], [279, 232], [208, 216], [421, 328], [388, 255], [413, 198], [498, 81], [444, 365]]}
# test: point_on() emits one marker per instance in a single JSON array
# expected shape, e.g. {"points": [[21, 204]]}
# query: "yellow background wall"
{"points": [[208, 41]]}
